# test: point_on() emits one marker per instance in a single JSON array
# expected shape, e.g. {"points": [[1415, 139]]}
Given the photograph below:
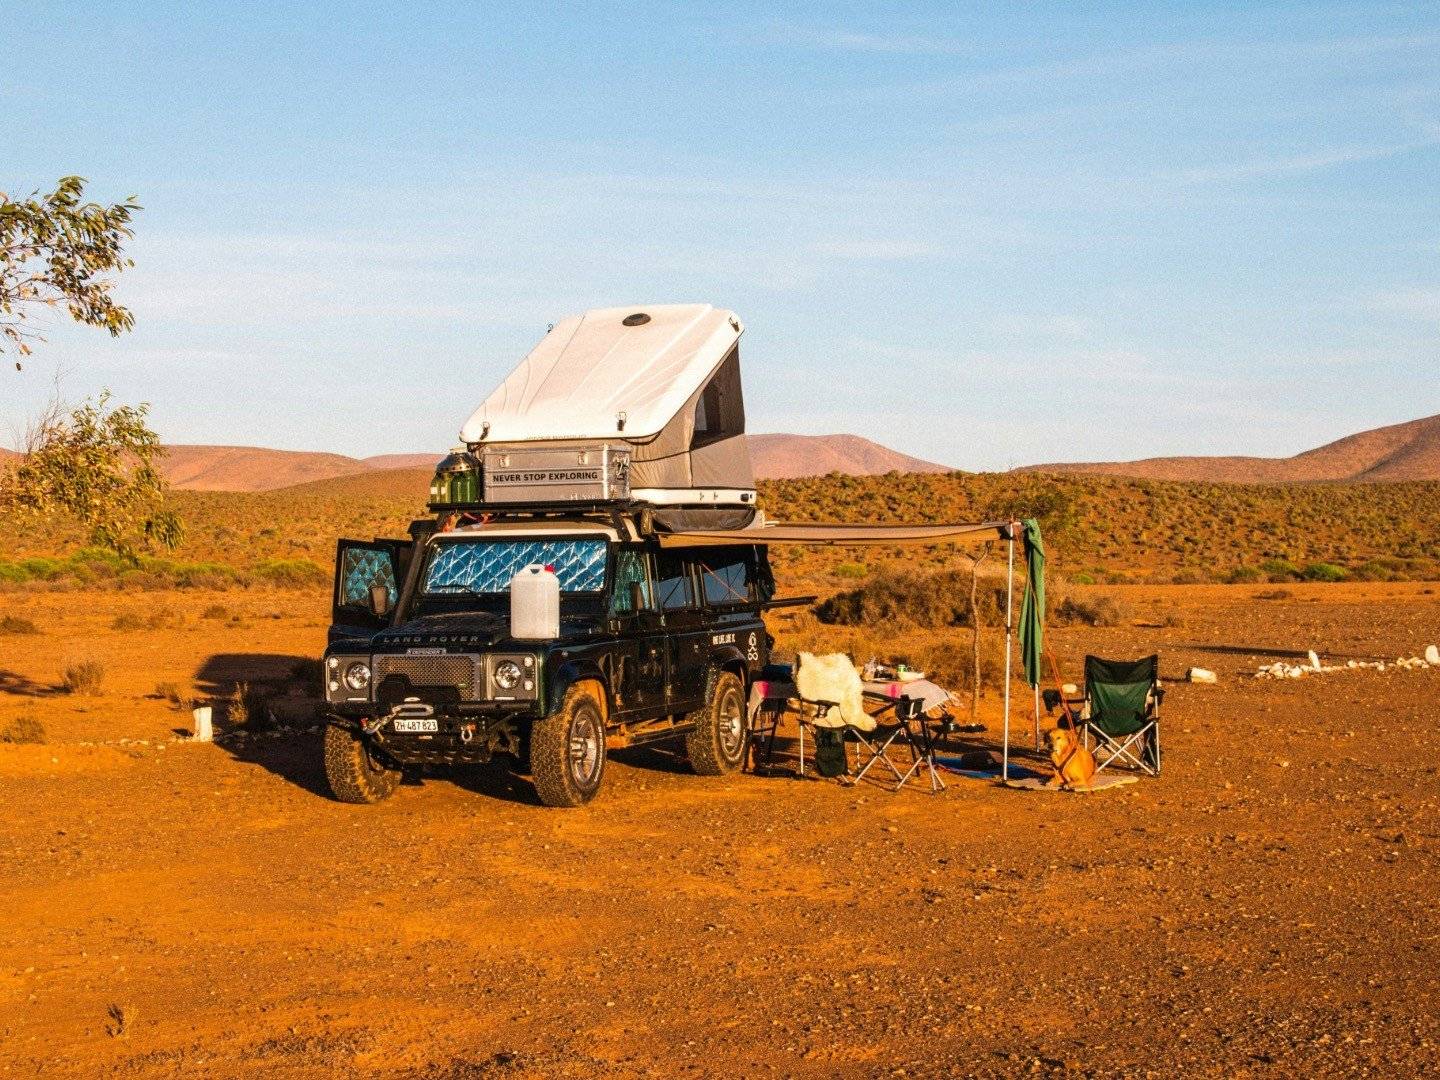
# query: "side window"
{"points": [[672, 581], [726, 577], [629, 568], [360, 568]]}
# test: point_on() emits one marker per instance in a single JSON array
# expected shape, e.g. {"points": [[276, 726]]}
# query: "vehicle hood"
{"points": [[464, 631]]}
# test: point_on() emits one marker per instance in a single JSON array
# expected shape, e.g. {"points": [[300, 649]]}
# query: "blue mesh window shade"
{"points": [[487, 566], [361, 568]]}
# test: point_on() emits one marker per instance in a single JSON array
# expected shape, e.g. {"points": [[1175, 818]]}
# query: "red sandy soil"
{"points": [[1269, 907]]}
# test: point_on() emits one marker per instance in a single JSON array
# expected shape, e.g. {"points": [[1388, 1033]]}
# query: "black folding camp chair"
{"points": [[1121, 719], [904, 722]]}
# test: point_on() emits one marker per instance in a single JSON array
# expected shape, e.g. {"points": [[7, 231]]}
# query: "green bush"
{"points": [[851, 570], [13, 573], [291, 572], [1324, 571], [1243, 575], [1279, 570]]}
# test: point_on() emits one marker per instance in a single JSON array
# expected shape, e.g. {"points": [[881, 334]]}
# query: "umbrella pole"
{"points": [[1037, 716], [1009, 628]]}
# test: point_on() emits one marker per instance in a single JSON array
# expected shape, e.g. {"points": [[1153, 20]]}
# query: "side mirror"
{"points": [[380, 600], [637, 597]]}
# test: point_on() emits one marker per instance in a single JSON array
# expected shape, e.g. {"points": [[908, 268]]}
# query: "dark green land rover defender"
{"points": [[654, 643]]}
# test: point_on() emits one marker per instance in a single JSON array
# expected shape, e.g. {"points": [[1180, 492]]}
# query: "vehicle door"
{"points": [[687, 630], [641, 667], [731, 589], [360, 566]]}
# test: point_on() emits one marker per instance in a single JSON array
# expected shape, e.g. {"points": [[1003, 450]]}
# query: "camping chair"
{"points": [[908, 726], [1120, 721]]}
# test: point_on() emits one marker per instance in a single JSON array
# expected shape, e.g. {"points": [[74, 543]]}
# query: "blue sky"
{"points": [[984, 236]]}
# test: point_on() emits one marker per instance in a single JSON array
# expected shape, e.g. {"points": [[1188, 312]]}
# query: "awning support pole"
{"points": [[1037, 716], [1009, 630]]}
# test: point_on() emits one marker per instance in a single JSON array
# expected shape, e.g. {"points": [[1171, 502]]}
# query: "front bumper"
{"points": [[448, 681]]}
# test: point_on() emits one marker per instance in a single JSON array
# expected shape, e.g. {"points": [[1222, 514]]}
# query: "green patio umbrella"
{"points": [[1032, 609]]}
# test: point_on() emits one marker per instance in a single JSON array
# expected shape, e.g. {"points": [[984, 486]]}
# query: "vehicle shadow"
{"points": [[280, 709], [495, 780], [12, 682]]}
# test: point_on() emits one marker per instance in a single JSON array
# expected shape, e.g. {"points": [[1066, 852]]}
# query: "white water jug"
{"points": [[535, 604]]}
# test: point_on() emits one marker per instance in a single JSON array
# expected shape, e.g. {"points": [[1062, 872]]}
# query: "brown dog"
{"points": [[1074, 765]]}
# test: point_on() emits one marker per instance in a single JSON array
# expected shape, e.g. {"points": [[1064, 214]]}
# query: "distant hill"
{"points": [[784, 457], [402, 461], [249, 468], [253, 468], [1409, 451], [374, 483]]}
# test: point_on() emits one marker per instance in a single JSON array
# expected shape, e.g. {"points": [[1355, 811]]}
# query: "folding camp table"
{"points": [[909, 701]]}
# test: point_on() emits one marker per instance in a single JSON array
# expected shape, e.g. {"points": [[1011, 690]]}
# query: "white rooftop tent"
{"points": [[662, 380]]}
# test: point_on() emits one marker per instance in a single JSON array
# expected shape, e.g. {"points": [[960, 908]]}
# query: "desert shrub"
{"points": [[1087, 611], [85, 677], [13, 573], [15, 624], [290, 572], [169, 691], [246, 708], [127, 620], [23, 729], [1279, 570], [1189, 576], [215, 611], [893, 597], [41, 569], [850, 570], [1083, 579], [1274, 594], [1324, 571], [163, 617], [1374, 570], [1243, 575]]}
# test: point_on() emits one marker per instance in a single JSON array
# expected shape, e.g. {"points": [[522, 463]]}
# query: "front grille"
{"points": [[459, 672]]}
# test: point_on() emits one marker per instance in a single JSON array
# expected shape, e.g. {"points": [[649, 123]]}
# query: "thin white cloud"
{"points": [[1296, 163], [1412, 303], [878, 250], [842, 40]]}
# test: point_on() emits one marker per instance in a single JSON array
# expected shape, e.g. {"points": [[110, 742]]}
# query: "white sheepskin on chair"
{"points": [[833, 678]]}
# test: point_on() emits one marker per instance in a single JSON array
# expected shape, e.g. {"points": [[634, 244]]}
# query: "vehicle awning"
{"points": [[856, 535]]}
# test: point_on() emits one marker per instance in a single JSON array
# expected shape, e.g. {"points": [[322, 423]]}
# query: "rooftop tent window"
{"points": [[720, 410]]}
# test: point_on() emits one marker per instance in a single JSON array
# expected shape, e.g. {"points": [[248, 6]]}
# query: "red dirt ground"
{"points": [[1269, 907]]}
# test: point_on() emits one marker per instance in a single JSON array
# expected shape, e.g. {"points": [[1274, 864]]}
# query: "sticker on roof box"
{"points": [[544, 476]]}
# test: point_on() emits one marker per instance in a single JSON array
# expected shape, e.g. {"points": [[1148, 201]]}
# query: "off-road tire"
{"points": [[716, 746], [567, 750], [355, 773]]}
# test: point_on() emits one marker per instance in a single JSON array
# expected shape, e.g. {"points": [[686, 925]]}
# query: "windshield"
{"points": [[486, 567]]}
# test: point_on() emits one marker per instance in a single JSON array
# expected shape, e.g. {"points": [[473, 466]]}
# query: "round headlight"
{"points": [[357, 676], [507, 674]]}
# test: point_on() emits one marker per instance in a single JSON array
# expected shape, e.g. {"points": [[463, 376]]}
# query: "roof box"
{"points": [[648, 395]]}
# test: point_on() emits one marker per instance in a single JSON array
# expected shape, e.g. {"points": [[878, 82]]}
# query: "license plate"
{"points": [[411, 726]]}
